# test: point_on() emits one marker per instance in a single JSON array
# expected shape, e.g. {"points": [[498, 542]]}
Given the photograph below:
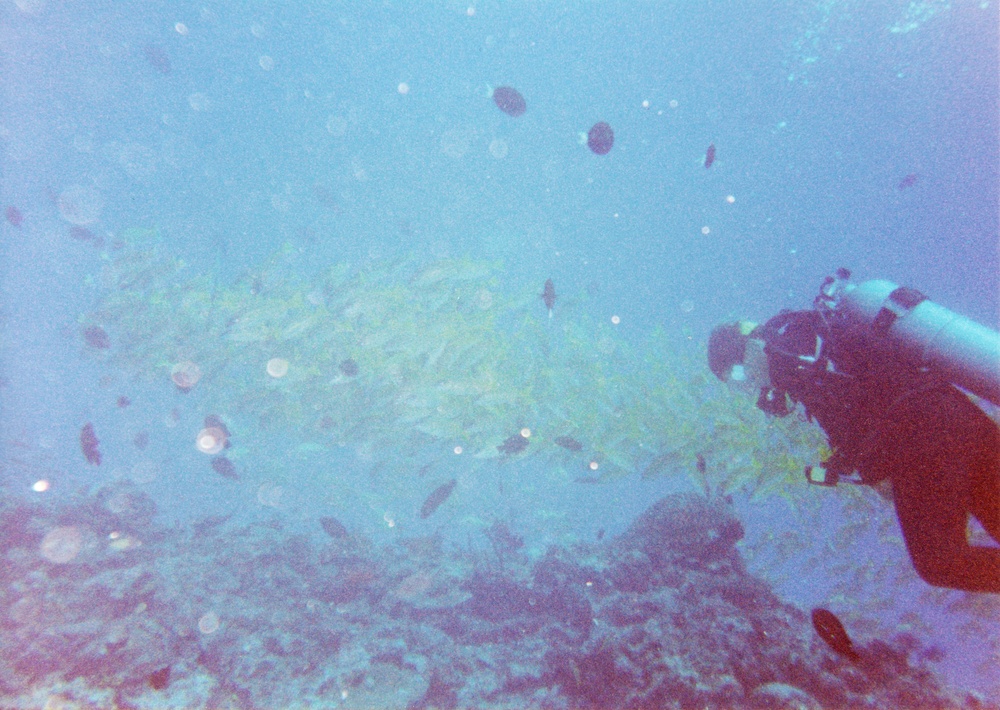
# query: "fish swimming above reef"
{"points": [[548, 295], [334, 528], [89, 443], [829, 628], [213, 421], [349, 368], [908, 181], [225, 468], [513, 444], [96, 337], [709, 155], [438, 496], [568, 443]]}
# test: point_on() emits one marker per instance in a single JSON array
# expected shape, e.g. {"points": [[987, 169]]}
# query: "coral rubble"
{"points": [[217, 615]]}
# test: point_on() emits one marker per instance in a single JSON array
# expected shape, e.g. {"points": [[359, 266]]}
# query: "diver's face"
{"points": [[752, 374]]}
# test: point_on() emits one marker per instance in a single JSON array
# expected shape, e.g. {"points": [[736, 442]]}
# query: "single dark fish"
{"points": [[908, 181], [209, 522], [334, 528], [568, 442], [157, 58], [225, 468], [85, 235], [438, 496], [96, 337], [123, 402], [710, 156], [89, 444], [141, 440], [832, 632], [349, 368], [158, 680], [701, 464], [548, 295], [14, 216], [326, 197], [513, 444], [214, 421]]}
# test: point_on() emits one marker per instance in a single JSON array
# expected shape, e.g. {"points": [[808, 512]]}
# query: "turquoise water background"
{"points": [[846, 134]]}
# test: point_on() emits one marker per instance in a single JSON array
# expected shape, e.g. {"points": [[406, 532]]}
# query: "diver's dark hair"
{"points": [[727, 346]]}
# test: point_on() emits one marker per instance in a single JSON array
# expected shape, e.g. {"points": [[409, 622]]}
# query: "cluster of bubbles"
{"points": [[405, 355]]}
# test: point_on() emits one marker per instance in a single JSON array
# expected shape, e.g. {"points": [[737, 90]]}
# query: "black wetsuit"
{"points": [[890, 421]]}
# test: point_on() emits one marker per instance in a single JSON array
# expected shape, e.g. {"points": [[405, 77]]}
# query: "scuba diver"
{"points": [[885, 372]]}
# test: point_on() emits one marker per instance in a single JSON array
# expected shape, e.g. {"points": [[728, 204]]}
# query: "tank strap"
{"points": [[900, 302]]}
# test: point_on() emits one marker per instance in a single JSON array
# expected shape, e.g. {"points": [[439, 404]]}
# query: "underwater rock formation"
{"points": [[215, 615]]}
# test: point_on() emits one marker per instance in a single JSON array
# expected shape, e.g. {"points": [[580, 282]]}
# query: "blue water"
{"points": [[846, 133]]}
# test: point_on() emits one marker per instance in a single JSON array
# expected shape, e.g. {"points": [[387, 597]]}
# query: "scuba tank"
{"points": [[921, 333], [924, 334]]}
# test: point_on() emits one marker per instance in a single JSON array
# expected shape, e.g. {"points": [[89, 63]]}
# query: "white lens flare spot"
{"points": [[185, 375], [40, 486], [61, 544], [277, 367], [526, 433], [209, 623], [210, 441]]}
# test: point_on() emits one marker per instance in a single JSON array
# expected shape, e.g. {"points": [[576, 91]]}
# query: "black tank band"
{"points": [[900, 302]]}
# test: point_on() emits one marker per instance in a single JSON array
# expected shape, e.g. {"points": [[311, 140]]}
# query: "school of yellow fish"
{"points": [[399, 357]]}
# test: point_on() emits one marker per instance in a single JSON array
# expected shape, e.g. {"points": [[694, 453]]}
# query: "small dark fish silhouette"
{"points": [[209, 522], [89, 444], [214, 421], [348, 367], [710, 156], [701, 464], [225, 468], [548, 295], [334, 528], [157, 58], [438, 496], [123, 402], [85, 235], [96, 337], [14, 216], [908, 181], [568, 442], [832, 632], [141, 440], [513, 444], [158, 680]]}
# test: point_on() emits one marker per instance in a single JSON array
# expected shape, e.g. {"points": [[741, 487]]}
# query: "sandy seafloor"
{"points": [[458, 494]]}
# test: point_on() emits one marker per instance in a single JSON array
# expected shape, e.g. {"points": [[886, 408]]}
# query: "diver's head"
{"points": [[736, 356]]}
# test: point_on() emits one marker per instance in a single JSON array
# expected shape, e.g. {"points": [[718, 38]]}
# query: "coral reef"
{"points": [[219, 615]]}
